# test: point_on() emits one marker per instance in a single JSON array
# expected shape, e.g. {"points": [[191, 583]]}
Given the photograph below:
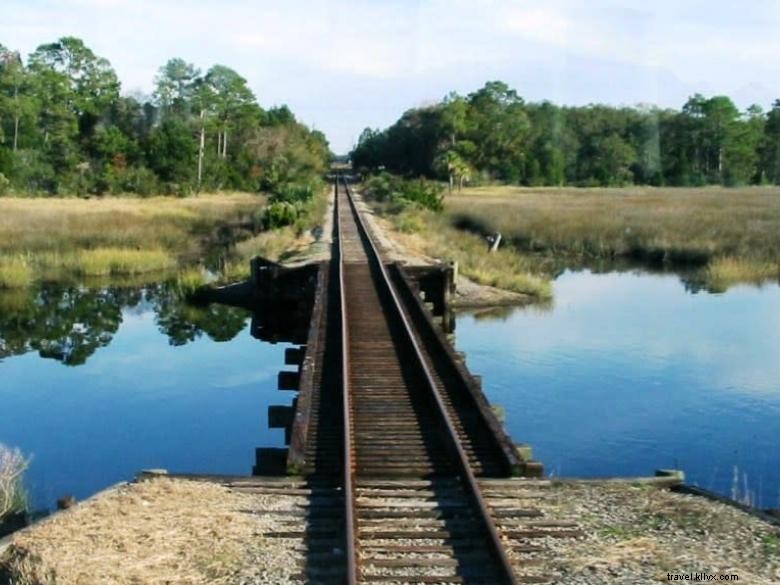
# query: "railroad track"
{"points": [[414, 510]]}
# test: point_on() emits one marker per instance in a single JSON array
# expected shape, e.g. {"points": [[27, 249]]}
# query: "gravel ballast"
{"points": [[642, 534], [175, 531]]}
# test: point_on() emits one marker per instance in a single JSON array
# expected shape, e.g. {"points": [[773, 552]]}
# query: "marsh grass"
{"points": [[722, 273], [736, 230], [109, 261], [15, 272], [505, 268], [55, 238], [15, 300], [189, 280], [272, 245]]}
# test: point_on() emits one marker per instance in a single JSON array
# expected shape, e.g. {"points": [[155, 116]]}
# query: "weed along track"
{"points": [[416, 441]]}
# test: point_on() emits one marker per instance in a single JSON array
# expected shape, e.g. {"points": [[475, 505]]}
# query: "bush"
{"points": [[138, 180], [293, 193], [280, 214], [5, 185], [398, 192]]}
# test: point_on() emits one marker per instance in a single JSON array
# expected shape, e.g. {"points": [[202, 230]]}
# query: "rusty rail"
{"points": [[465, 472], [350, 526]]}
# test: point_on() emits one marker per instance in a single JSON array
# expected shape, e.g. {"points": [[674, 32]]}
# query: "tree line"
{"points": [[493, 134], [65, 128]]}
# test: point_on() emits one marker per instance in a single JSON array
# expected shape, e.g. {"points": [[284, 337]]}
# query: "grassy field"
{"points": [[56, 238], [734, 233]]}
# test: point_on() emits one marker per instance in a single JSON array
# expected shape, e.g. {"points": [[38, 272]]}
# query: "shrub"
{"points": [[293, 193], [5, 184], [138, 180], [280, 214], [398, 192]]}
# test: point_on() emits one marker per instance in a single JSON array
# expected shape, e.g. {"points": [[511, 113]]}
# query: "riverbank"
{"points": [[731, 235], [484, 279], [635, 531], [56, 239]]}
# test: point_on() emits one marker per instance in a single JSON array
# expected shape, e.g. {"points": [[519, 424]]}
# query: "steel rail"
{"points": [[497, 546], [350, 526]]}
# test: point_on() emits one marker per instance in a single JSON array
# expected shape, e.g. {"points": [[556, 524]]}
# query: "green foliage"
{"points": [[139, 180], [401, 192], [172, 152], [64, 129], [280, 214], [493, 135]]}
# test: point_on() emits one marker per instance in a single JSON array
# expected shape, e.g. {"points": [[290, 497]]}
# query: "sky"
{"points": [[343, 65]]}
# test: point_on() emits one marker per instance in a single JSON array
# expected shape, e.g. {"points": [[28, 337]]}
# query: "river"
{"points": [[625, 373], [629, 372]]}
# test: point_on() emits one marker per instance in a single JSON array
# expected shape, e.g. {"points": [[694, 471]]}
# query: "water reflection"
{"points": [[155, 386], [70, 323], [629, 372]]}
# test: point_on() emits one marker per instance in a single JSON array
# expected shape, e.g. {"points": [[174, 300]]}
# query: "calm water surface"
{"points": [[625, 374], [631, 372], [97, 385]]}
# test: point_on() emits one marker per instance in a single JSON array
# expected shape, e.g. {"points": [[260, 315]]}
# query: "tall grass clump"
{"points": [[108, 261], [725, 272], [189, 280], [13, 498], [15, 272]]}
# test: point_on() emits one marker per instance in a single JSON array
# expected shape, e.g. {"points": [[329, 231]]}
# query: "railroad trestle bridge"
{"points": [[390, 435]]}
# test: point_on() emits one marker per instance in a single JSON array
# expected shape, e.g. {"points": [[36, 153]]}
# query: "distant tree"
{"points": [[280, 116], [455, 168], [92, 84], [232, 101], [15, 102], [172, 153], [770, 146], [173, 85]]}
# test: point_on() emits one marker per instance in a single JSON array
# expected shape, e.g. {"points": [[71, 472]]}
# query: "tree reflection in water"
{"points": [[70, 323]]}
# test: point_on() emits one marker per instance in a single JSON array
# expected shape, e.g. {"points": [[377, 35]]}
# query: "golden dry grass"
{"points": [[15, 272], [112, 236], [723, 273], [160, 531], [660, 224], [684, 223], [62, 223]]}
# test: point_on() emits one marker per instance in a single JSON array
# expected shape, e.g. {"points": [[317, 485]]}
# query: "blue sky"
{"points": [[342, 65]]}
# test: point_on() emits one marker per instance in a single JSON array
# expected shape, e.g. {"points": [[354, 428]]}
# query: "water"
{"points": [[626, 373], [630, 372], [99, 384]]}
